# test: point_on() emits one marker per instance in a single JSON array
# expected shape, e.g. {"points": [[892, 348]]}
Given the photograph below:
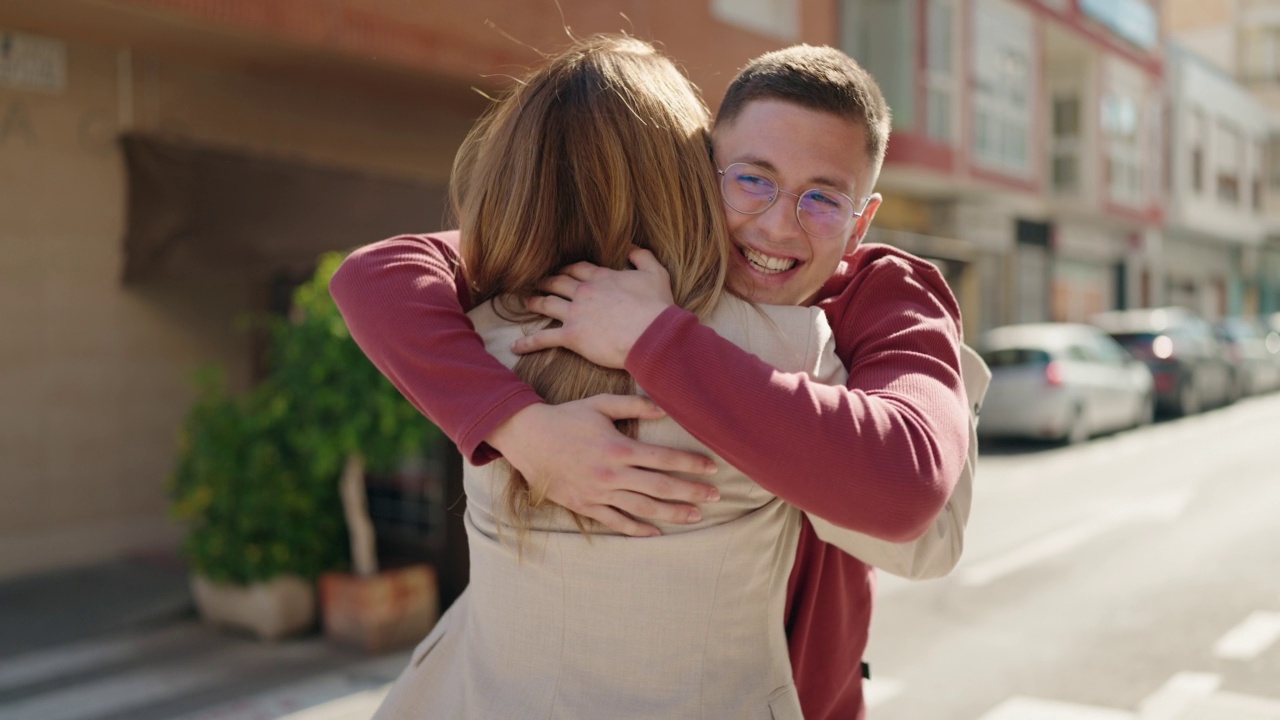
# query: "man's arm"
{"points": [[880, 455], [403, 300]]}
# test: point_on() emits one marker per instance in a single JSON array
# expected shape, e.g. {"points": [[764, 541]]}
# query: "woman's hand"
{"points": [[604, 312], [575, 452]]}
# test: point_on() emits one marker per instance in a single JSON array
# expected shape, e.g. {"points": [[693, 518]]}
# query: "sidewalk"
{"points": [[121, 640]]}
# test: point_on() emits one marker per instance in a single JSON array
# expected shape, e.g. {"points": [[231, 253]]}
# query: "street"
{"points": [[1135, 576]]}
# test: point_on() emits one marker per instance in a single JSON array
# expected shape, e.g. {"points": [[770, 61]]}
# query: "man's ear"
{"points": [[863, 223]]}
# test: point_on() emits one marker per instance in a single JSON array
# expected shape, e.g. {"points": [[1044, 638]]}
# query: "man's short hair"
{"points": [[818, 78]]}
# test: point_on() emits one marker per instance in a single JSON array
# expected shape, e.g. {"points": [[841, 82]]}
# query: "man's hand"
{"points": [[604, 312], [576, 453]]}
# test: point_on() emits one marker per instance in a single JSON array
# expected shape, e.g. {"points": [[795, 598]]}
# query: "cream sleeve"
{"points": [[937, 552]]}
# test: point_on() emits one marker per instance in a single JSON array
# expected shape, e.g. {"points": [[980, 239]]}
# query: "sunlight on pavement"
{"points": [[357, 706]]}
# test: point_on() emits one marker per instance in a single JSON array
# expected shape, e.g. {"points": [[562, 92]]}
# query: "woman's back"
{"points": [[686, 625]]}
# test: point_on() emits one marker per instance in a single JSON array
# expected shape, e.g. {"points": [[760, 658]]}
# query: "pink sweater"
{"points": [[879, 455]]}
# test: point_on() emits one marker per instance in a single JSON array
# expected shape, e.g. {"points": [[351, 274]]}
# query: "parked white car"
{"points": [[1061, 381]]}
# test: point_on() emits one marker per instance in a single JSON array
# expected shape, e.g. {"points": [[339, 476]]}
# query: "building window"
{"points": [[1066, 143], [881, 35], [1256, 152], [939, 70], [1195, 146], [1227, 159], [1003, 89], [1273, 163], [774, 18], [1120, 122]]}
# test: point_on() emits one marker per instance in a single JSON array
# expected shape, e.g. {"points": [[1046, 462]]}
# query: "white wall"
{"points": [[1194, 85]]}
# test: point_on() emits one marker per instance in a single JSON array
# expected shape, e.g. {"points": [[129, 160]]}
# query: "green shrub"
{"points": [[256, 480]]}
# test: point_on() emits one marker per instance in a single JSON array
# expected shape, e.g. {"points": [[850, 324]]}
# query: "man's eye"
{"points": [[755, 184], [822, 202]]}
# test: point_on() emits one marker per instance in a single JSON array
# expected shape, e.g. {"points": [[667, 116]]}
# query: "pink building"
{"points": [[1026, 155]]}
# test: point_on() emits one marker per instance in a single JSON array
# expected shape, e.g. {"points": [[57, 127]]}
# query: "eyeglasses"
{"points": [[821, 212]]}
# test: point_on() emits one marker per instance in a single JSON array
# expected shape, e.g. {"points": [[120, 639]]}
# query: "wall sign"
{"points": [[28, 62]]}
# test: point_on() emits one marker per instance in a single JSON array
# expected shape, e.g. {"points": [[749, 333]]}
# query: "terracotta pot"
{"points": [[387, 610], [271, 610]]}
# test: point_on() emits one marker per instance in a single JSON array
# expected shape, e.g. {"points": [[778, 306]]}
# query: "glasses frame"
{"points": [[861, 206]]}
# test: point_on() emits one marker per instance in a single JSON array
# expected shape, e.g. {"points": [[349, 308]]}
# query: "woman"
{"points": [[603, 149]]}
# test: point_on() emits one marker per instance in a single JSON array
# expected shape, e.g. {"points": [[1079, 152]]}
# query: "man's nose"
{"points": [[780, 222]]}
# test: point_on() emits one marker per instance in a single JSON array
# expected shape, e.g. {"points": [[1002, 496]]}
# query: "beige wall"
{"points": [[1182, 15], [95, 376]]}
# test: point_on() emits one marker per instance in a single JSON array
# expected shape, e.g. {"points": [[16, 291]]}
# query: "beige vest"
{"points": [[686, 625]]}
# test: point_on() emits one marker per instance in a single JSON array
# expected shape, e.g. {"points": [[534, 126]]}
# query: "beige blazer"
{"points": [[575, 627]]}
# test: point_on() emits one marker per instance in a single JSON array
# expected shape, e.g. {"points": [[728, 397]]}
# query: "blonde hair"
{"points": [[603, 148]]}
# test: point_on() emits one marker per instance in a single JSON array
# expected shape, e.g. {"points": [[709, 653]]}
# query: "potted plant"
{"points": [[257, 479], [260, 527]]}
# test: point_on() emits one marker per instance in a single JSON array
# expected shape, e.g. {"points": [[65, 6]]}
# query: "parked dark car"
{"points": [[1256, 360], [1190, 365]]}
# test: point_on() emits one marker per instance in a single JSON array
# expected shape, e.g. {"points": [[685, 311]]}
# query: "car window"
{"points": [[1082, 353], [1136, 342], [1015, 357], [1109, 351]]}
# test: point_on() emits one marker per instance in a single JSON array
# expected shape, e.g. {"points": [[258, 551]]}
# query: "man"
{"points": [[800, 139]]}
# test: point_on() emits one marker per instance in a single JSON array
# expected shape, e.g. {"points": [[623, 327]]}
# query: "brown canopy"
{"points": [[196, 208]]}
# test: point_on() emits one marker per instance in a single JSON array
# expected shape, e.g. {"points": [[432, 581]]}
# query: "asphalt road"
{"points": [[1134, 576]]}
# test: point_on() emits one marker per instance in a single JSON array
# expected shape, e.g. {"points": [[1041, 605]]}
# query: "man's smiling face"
{"points": [[776, 262]]}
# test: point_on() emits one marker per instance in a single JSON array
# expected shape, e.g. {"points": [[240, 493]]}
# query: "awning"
{"points": [[198, 208]]}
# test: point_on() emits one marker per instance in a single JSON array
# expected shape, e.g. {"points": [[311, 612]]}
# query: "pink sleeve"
{"points": [[879, 455], [403, 300]]}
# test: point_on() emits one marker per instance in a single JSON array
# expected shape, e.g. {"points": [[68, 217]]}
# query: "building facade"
{"points": [[1215, 224], [1026, 151], [1241, 38], [169, 166]]}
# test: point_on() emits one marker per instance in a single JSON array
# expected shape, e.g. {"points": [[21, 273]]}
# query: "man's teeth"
{"points": [[767, 264]]}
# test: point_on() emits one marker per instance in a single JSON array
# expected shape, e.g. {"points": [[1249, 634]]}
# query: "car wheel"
{"points": [[1078, 430], [1188, 397]]}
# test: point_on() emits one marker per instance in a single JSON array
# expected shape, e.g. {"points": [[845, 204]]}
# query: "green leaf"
{"points": [[256, 477]]}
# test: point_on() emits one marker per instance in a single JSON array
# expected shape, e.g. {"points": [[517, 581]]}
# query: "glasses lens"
{"points": [[748, 189], [824, 214]]}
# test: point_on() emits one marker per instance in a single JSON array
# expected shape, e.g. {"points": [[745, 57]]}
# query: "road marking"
{"points": [[1250, 638], [45, 665], [1025, 708], [880, 691], [367, 682], [1033, 552], [1236, 707], [357, 705], [157, 682], [117, 694], [1163, 508], [1177, 694]]}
